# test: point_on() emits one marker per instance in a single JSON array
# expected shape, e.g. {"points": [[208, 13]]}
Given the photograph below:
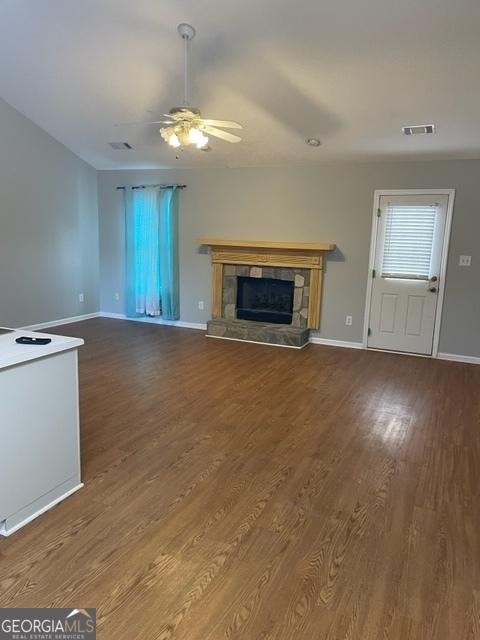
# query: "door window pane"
{"points": [[408, 245]]}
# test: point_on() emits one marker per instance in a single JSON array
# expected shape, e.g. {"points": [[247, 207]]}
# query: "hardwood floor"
{"points": [[244, 491]]}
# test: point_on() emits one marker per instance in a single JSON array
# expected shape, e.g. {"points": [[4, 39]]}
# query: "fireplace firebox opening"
{"points": [[265, 299]]}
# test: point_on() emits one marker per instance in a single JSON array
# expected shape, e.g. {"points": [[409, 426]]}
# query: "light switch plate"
{"points": [[465, 261]]}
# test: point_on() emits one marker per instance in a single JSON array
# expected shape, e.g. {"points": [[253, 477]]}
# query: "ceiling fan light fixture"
{"points": [[166, 132], [169, 135], [197, 138], [174, 141], [183, 136]]}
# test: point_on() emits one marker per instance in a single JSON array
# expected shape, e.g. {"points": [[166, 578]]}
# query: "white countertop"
{"points": [[12, 353]]}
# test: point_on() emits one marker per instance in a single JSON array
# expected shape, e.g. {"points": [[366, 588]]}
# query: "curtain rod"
{"points": [[157, 186]]}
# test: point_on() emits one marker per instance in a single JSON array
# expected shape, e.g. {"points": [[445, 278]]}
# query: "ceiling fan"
{"points": [[185, 125]]}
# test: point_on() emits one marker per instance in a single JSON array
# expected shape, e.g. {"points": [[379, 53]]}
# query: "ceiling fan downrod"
{"points": [[187, 33]]}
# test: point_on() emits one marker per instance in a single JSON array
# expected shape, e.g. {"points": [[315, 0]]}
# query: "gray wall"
{"points": [[327, 202], [48, 226]]}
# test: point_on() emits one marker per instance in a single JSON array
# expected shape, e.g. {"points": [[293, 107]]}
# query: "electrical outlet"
{"points": [[465, 261], [349, 321], [81, 297], [117, 296], [201, 305]]}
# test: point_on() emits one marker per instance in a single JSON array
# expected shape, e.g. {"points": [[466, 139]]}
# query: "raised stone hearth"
{"points": [[279, 334], [270, 311]]}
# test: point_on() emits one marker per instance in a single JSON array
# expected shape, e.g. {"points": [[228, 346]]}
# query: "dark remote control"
{"points": [[27, 340]]}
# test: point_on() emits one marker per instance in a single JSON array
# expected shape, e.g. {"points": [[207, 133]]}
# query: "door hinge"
{"points": [[369, 332], [374, 273], [379, 212]]}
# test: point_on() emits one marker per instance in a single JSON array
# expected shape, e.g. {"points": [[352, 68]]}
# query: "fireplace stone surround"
{"points": [[299, 263], [300, 278]]}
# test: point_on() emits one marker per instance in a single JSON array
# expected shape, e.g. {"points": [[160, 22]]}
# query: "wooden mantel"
{"points": [[263, 244], [296, 255]]}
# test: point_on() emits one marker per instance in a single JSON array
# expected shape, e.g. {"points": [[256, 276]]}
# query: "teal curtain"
{"points": [[152, 287], [169, 277]]}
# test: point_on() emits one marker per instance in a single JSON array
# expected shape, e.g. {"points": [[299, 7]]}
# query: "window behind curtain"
{"points": [[147, 251]]}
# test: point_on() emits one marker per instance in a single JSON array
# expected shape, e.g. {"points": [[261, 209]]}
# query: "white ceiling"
{"points": [[347, 71]]}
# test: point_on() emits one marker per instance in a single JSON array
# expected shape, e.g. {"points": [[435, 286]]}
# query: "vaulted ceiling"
{"points": [[350, 73]]}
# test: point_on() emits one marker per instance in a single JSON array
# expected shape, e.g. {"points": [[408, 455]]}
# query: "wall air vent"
{"points": [[120, 146], [417, 129]]}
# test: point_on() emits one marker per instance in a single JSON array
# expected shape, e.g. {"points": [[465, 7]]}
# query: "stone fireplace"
{"points": [[266, 291], [273, 282]]}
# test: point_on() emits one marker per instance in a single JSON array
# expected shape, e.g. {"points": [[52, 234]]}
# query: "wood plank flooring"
{"points": [[244, 491]]}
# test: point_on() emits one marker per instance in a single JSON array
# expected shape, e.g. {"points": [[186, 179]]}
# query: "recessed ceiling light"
{"points": [[313, 142], [416, 129]]}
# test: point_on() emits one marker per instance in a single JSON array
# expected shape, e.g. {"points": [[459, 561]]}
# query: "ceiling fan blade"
{"points": [[218, 133], [131, 124], [226, 124], [176, 116]]}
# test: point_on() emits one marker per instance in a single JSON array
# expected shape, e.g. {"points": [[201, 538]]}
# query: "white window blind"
{"points": [[408, 244]]}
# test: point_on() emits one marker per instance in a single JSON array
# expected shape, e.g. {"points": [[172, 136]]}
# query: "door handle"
{"points": [[432, 289], [433, 279]]}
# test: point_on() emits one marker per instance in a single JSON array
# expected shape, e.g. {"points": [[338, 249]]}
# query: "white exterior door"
{"points": [[406, 274]]}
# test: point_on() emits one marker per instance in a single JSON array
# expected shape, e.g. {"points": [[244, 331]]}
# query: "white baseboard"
{"points": [[358, 345], [335, 343], [8, 532], [312, 340], [458, 358], [267, 344], [402, 353], [170, 323], [57, 323]]}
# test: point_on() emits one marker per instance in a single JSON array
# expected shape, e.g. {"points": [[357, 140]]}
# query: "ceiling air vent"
{"points": [[120, 146], [417, 129]]}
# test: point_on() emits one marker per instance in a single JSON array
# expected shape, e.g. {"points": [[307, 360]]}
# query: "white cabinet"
{"points": [[39, 428]]}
